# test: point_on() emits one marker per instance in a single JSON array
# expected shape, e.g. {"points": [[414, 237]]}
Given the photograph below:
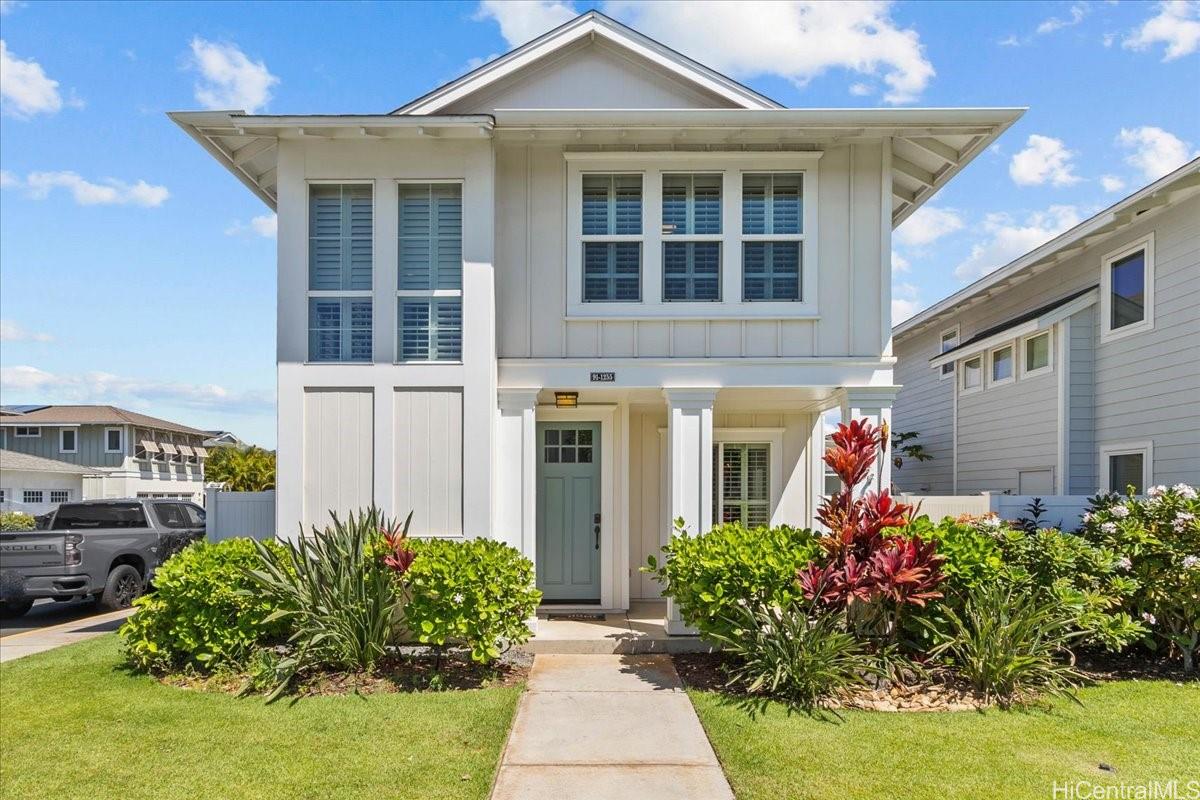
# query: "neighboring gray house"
{"points": [[133, 454], [1073, 369]]}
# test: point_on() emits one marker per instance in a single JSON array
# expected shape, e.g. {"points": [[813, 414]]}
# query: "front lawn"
{"points": [[1145, 729], [73, 723]]}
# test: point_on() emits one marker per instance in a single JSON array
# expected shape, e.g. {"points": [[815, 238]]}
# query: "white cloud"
{"points": [[1077, 12], [1177, 25], [522, 20], [13, 332], [1006, 238], [906, 301], [1112, 183], [1009, 41], [103, 387], [9, 6], [900, 263], [1155, 151], [861, 89], [796, 40], [25, 89], [1108, 39], [110, 192], [927, 225], [230, 80], [1043, 159], [265, 226]]}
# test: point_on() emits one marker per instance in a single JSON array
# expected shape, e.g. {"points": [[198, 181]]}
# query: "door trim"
{"points": [[612, 559]]}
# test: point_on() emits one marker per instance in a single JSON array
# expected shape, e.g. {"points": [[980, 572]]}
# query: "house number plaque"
{"points": [[603, 377]]}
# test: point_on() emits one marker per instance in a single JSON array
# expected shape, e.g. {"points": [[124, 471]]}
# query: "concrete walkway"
{"points": [[607, 726], [18, 645]]}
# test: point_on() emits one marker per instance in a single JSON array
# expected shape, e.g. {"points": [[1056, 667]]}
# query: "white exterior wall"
{"points": [[14, 483], [1144, 384]]}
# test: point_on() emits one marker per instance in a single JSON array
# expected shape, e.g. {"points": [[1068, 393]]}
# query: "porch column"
{"points": [[516, 454], [875, 404], [689, 469]]}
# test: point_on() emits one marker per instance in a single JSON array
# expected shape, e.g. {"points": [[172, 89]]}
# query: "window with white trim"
{"points": [[1002, 369], [612, 238], [32, 496], [68, 440], [60, 495], [1125, 465], [27, 432], [742, 483], [429, 310], [772, 236], [114, 440], [340, 269], [972, 374], [949, 341], [1036, 355], [1127, 289], [691, 231]]}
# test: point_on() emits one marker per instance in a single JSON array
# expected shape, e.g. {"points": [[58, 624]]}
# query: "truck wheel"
{"points": [[123, 587], [11, 610]]}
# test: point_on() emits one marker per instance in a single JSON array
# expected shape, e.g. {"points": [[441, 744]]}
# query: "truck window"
{"points": [[170, 515], [99, 515], [195, 515]]}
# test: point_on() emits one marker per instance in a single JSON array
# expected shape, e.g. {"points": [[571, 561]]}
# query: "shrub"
{"points": [[1010, 645], [16, 521], [201, 613], [335, 594], [1159, 542], [798, 653], [971, 551], [710, 575], [478, 592]]}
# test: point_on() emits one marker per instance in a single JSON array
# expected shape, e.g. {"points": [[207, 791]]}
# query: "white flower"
{"points": [[1149, 619], [1087, 516], [1185, 491], [1191, 561], [1109, 527], [1157, 491], [1121, 511], [458, 598], [1124, 563], [741, 601], [1182, 520], [991, 521]]}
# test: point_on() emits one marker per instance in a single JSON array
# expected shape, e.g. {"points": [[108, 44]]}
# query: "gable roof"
{"points": [[592, 24], [95, 415], [1171, 188], [24, 462]]}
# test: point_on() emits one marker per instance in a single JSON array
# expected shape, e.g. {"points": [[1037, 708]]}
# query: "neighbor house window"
{"points": [[27, 433], [340, 258], [691, 230], [949, 342], [972, 373], [32, 496], [772, 236], [60, 495], [114, 440], [742, 474], [1002, 365], [1126, 465], [1037, 354], [612, 238], [430, 288], [4, 495], [68, 440], [1127, 289]]}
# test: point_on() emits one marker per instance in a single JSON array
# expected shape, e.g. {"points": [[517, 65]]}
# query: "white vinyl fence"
{"points": [[231, 514], [1064, 511]]}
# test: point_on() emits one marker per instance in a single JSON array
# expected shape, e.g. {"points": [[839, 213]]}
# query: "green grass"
{"points": [[74, 724], [1147, 730]]}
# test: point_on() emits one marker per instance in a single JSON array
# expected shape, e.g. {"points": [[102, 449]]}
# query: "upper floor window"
{"points": [[429, 310], [972, 374], [68, 440], [612, 238], [340, 271], [114, 440], [1127, 289], [1036, 355], [27, 432], [691, 230], [1002, 365], [772, 230], [949, 341]]}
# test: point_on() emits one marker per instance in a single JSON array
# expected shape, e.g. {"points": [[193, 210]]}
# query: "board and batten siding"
{"points": [[1082, 477], [429, 459], [90, 445], [531, 230], [1145, 384], [925, 406], [338, 451]]}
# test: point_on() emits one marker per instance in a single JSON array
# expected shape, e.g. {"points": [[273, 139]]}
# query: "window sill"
{"points": [[1113, 334], [689, 310]]}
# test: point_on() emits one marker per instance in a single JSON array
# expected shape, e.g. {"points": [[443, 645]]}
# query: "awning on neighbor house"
{"points": [[149, 446]]}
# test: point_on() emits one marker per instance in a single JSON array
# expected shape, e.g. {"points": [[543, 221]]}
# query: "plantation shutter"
{"points": [[772, 204], [745, 484], [430, 236], [430, 329], [340, 231], [339, 329], [612, 206]]}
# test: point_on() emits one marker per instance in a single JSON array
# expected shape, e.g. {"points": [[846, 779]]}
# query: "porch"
{"points": [[641, 629]]}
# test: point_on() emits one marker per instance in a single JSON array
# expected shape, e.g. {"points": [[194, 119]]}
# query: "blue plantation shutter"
{"points": [[772, 204], [691, 204], [692, 271], [339, 329], [771, 270], [430, 236], [612, 206], [430, 329], [612, 271], [339, 237]]}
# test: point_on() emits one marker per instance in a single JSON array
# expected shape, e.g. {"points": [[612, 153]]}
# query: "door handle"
{"points": [[596, 530]]}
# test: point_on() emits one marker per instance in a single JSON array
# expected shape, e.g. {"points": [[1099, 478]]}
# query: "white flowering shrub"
{"points": [[1159, 538]]}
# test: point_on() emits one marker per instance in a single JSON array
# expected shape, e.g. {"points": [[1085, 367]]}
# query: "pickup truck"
{"points": [[108, 549]]}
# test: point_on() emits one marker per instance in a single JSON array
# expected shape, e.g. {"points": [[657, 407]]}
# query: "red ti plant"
{"points": [[398, 554], [865, 569]]}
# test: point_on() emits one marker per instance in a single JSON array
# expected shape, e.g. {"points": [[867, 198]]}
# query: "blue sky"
{"points": [[135, 270]]}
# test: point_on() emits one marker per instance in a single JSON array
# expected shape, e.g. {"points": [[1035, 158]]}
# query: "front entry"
{"points": [[568, 511]]}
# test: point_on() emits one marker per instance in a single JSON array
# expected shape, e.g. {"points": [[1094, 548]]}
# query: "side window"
{"points": [[340, 266], [972, 374], [691, 227], [430, 272], [114, 440], [170, 515], [1127, 289], [612, 238], [949, 342]]}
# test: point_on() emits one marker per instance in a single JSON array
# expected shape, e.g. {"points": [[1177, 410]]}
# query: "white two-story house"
{"points": [[585, 289]]}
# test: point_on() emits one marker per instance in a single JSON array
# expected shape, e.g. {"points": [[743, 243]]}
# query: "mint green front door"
{"points": [[568, 511]]}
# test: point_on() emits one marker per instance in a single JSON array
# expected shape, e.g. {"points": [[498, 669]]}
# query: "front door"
{"points": [[568, 511]]}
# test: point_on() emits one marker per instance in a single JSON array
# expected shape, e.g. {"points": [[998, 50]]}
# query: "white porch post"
{"points": [[689, 469], [875, 404], [516, 454]]}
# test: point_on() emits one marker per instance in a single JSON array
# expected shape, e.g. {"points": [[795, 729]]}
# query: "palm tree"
{"points": [[251, 469]]}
